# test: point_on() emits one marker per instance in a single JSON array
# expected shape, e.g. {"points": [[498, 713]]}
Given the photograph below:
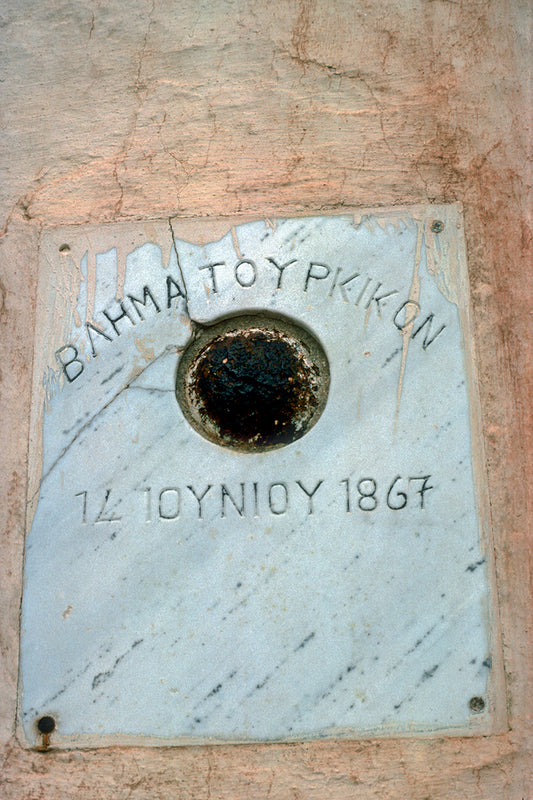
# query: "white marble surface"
{"points": [[284, 605]]}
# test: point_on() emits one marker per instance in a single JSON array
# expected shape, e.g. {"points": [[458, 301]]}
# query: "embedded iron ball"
{"points": [[253, 382], [253, 386]]}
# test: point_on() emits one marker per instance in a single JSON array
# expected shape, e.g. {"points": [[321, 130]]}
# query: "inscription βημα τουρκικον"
{"points": [[357, 289]]}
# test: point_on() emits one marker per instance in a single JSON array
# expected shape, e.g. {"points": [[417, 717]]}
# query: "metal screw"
{"points": [[437, 226], [476, 704], [46, 724]]}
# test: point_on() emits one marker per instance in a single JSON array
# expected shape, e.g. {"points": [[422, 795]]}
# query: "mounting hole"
{"points": [[65, 249], [46, 724], [253, 382], [476, 704]]}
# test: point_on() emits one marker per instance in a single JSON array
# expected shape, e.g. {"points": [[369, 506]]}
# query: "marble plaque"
{"points": [[192, 578]]}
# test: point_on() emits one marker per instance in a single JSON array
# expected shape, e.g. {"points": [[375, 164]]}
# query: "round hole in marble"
{"points": [[253, 382]]}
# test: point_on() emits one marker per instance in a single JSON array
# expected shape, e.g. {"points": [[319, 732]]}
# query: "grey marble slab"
{"points": [[176, 590]]}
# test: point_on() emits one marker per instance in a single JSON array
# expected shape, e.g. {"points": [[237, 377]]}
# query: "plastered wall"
{"points": [[154, 109]]}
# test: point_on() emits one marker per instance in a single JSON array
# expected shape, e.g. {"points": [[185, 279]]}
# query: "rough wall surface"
{"points": [[154, 108]]}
